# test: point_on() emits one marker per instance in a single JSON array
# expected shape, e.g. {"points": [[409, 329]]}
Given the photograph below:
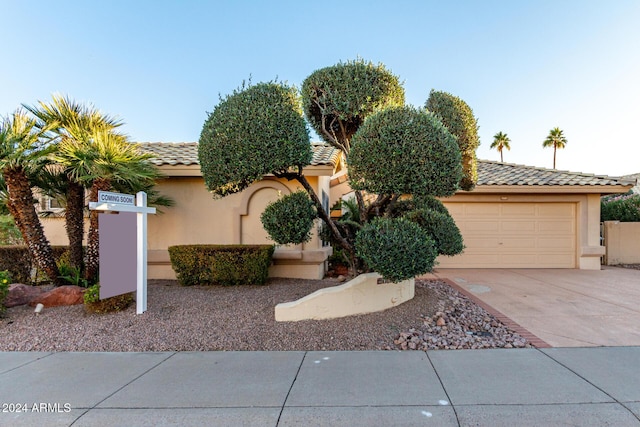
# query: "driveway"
{"points": [[565, 308]]}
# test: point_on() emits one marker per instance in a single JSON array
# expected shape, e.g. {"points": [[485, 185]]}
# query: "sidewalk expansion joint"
{"points": [[304, 356]]}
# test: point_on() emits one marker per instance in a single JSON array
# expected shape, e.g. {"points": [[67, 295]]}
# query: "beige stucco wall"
{"points": [[622, 240], [196, 218]]}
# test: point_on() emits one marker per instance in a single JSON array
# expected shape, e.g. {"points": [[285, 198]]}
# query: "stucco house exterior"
{"points": [[517, 216]]}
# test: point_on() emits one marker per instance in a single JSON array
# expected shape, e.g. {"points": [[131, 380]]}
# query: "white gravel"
{"points": [[242, 318]]}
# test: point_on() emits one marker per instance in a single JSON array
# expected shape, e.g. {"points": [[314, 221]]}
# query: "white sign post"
{"points": [[117, 202]]}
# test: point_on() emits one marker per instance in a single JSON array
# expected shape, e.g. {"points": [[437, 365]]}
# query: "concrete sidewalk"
{"points": [[526, 387], [563, 307]]}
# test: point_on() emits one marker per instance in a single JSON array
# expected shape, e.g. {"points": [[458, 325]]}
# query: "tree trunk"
{"points": [[93, 242], [554, 156], [74, 223], [21, 202]]}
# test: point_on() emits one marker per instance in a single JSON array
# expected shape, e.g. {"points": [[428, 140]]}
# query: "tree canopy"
{"points": [[338, 99], [458, 117], [256, 130], [398, 157]]}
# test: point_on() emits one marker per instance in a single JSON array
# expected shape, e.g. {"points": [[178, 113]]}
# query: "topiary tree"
{"points": [[458, 117], [290, 219], [398, 158]]}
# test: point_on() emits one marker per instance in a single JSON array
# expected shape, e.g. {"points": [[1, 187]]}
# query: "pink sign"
{"points": [[117, 253]]}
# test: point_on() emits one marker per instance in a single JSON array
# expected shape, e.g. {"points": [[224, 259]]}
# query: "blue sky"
{"points": [[524, 67]]}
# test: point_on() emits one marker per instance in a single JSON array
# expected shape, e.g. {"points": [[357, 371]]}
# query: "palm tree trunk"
{"points": [[93, 242], [21, 200], [554, 156], [501, 159], [74, 222]]}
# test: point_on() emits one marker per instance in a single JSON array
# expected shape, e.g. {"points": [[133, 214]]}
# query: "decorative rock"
{"points": [[63, 295], [457, 324], [341, 278], [21, 294]]}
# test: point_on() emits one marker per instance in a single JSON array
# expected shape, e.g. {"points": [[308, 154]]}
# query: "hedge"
{"points": [[221, 264], [17, 261]]}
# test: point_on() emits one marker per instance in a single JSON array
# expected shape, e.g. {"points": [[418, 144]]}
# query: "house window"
{"points": [[49, 204]]}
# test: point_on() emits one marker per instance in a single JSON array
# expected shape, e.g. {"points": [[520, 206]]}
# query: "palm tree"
{"points": [[22, 155], [500, 142], [67, 121], [556, 140], [103, 161]]}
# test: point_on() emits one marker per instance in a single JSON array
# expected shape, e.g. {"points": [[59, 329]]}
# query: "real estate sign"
{"points": [[123, 245]]}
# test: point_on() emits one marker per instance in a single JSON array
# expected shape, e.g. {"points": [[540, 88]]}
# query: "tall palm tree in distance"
{"points": [[555, 139], [500, 142]]}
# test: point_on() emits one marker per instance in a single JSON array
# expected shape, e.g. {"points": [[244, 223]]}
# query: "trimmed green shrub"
{"points": [[18, 262], [255, 131], [290, 219], [338, 99], [221, 264], [93, 303], [5, 280], [458, 117], [404, 150], [623, 208], [442, 229], [396, 248]]}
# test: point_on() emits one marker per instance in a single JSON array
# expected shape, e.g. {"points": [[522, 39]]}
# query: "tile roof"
{"points": [[186, 153], [496, 173], [490, 173]]}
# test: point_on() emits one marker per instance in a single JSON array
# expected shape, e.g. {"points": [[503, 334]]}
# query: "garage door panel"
{"points": [[481, 209], [515, 235], [561, 210], [559, 226], [518, 209], [515, 243], [555, 243], [518, 227]]}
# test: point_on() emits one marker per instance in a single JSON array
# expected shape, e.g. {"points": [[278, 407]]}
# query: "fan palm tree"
{"points": [[23, 154], [67, 120], [500, 142], [555, 139], [102, 162]]}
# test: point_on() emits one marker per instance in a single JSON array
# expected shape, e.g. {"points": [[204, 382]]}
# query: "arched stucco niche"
{"points": [[254, 200]]}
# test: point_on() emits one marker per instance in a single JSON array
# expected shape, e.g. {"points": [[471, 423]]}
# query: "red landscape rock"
{"points": [[21, 294], [63, 295]]}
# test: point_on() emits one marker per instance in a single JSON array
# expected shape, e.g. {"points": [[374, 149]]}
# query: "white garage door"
{"points": [[514, 235]]}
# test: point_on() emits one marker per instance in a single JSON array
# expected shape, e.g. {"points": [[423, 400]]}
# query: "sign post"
{"points": [[117, 202]]}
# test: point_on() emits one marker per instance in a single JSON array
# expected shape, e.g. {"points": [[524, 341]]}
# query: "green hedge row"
{"points": [[221, 264], [23, 269]]}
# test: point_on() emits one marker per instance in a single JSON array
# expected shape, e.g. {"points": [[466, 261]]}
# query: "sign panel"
{"points": [[117, 198], [118, 254]]}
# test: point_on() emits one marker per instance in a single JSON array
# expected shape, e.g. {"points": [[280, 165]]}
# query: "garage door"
{"points": [[514, 235]]}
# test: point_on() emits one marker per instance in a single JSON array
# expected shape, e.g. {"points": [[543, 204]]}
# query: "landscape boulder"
{"points": [[21, 294], [63, 295]]}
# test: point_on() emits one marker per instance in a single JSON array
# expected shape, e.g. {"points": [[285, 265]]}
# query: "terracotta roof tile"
{"points": [[496, 173], [186, 153]]}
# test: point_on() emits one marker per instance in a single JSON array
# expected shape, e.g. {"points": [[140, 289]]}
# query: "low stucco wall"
{"points": [[360, 295], [622, 241]]}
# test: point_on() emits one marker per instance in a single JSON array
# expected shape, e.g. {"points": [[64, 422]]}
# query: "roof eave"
{"points": [[548, 189]]}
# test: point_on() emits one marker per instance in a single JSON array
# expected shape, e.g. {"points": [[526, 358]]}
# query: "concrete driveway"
{"points": [[565, 308]]}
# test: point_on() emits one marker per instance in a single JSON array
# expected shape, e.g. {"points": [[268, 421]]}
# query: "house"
{"points": [[636, 179], [528, 217], [517, 216]]}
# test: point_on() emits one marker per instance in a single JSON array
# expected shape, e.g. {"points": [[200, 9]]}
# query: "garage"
{"points": [[515, 235]]}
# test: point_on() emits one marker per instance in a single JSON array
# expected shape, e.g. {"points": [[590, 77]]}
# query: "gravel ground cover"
{"points": [[242, 318]]}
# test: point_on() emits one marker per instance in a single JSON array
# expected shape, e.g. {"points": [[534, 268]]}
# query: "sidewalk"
{"points": [[577, 386]]}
